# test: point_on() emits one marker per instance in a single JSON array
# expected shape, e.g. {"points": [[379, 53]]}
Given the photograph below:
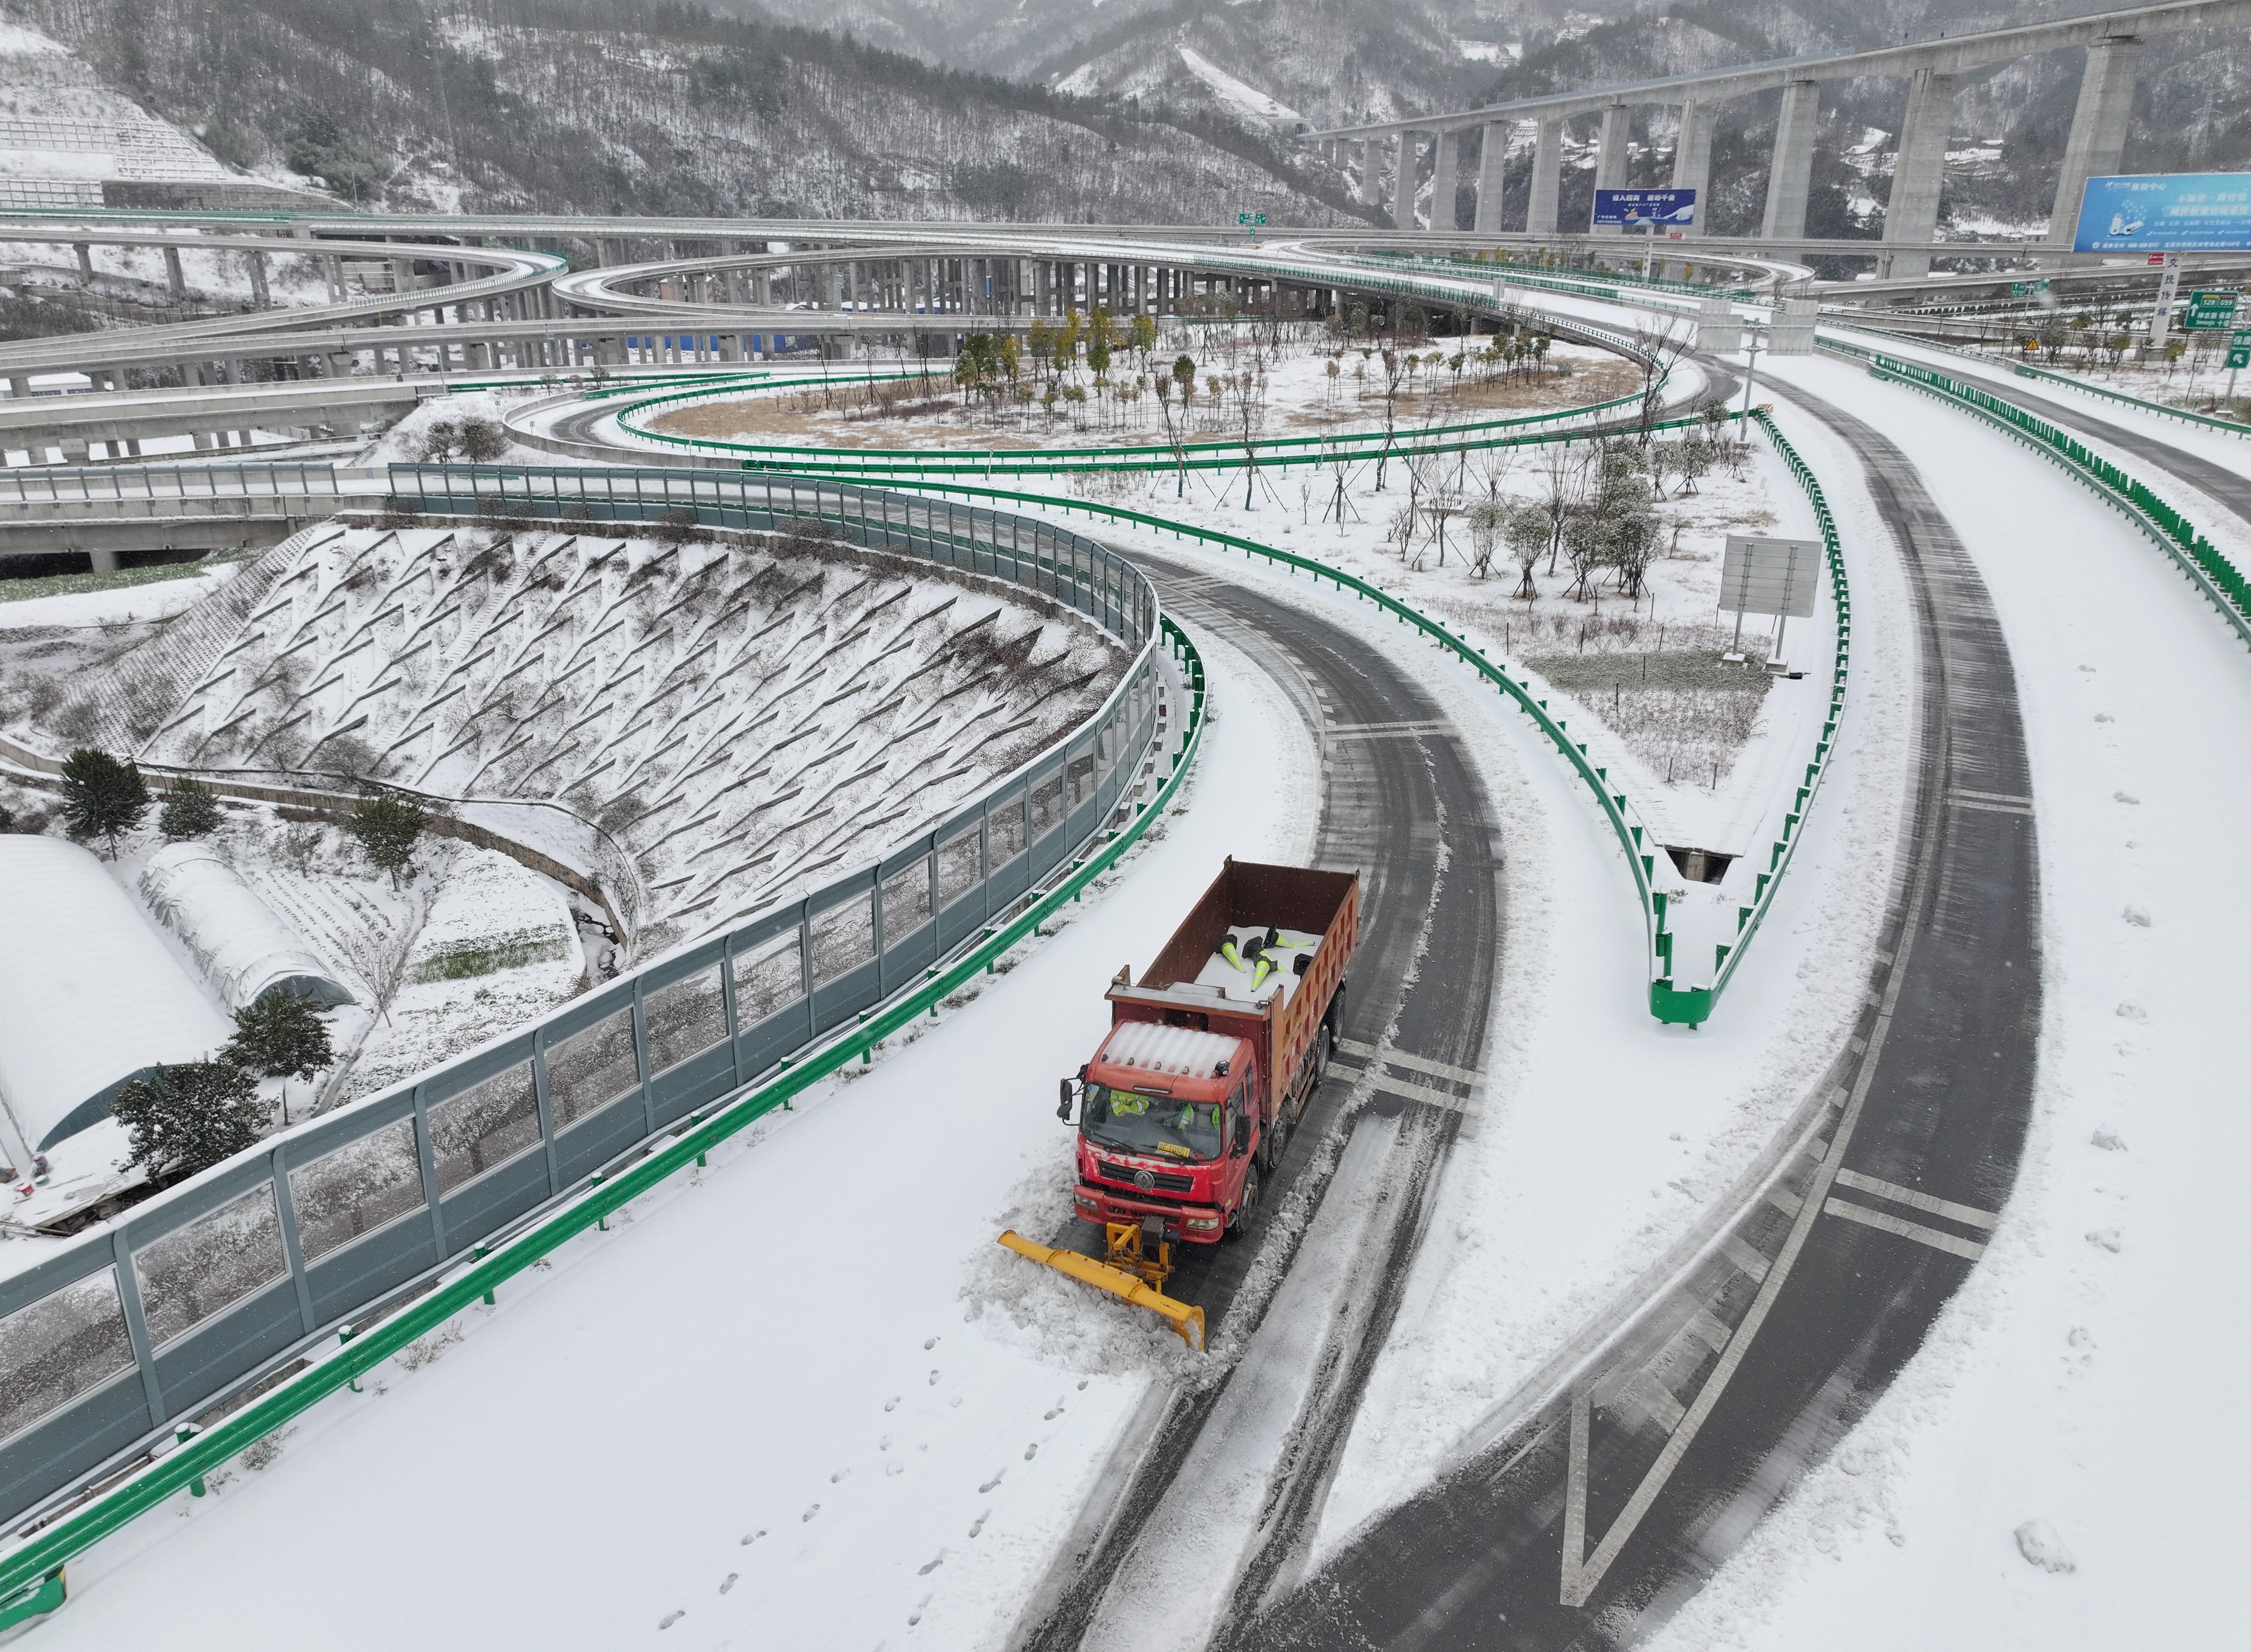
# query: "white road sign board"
{"points": [[1770, 576]]}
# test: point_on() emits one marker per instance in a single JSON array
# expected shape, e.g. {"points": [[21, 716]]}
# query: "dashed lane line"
{"points": [[1969, 1215], [1891, 1224]]}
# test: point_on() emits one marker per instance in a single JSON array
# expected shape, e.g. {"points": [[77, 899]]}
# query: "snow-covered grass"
{"points": [[2050, 1414], [1294, 394], [123, 595], [800, 1397]]}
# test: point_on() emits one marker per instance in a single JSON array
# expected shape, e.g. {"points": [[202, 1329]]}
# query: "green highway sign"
{"points": [[1249, 219], [2239, 350], [2026, 289], [2209, 313]]}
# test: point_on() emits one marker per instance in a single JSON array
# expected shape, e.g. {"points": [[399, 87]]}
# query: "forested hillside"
{"points": [[619, 105]]}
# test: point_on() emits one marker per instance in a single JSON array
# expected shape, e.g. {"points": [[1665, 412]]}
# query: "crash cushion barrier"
{"points": [[1671, 1003], [2207, 568]]}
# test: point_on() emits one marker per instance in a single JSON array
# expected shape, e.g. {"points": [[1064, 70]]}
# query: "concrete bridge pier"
{"points": [[1790, 177], [1692, 157], [2098, 130], [1405, 179], [1918, 172], [1446, 181], [1547, 178], [1610, 157], [1492, 171]]}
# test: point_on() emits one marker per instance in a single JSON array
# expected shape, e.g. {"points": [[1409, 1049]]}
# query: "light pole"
{"points": [[1751, 348]]}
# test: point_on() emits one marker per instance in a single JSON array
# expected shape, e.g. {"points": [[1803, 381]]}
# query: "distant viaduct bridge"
{"points": [[2113, 41]]}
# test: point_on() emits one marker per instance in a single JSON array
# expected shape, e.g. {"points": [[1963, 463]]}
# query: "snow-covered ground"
{"points": [[2041, 1474], [732, 718], [799, 1398]]}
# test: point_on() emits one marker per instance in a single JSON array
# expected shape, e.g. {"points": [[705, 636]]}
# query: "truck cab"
{"points": [[1170, 1127]]}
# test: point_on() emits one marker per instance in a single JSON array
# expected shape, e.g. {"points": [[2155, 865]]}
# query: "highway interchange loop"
{"points": [[1564, 1524]]}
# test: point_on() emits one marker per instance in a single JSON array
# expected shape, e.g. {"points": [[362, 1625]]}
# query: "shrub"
{"points": [[387, 827], [190, 810], [185, 1118]]}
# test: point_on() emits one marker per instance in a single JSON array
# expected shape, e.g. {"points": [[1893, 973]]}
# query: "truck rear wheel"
{"points": [[1247, 1207]]}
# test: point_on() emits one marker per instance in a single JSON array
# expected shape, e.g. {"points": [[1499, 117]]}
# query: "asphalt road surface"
{"points": [[1585, 1525], [1401, 803]]}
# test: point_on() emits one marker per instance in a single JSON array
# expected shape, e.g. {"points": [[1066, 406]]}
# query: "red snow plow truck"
{"points": [[1188, 1105]]}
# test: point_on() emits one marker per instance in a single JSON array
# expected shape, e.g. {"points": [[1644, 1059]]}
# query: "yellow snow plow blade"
{"points": [[1187, 1321]]}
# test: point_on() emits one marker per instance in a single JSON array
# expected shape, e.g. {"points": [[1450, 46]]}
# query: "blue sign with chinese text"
{"points": [[2166, 213], [1638, 209]]}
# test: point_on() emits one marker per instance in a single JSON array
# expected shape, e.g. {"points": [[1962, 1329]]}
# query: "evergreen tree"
{"points": [[387, 827], [190, 811], [283, 1036], [182, 1119], [102, 796]]}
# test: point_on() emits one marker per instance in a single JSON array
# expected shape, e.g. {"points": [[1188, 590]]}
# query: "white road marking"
{"points": [[1969, 1215], [1704, 1326], [1583, 1572], [1785, 1201], [1656, 1398], [1749, 1261], [1387, 730], [1413, 1063], [1890, 1224], [1993, 796], [1414, 1092], [1961, 802], [1574, 1503]]}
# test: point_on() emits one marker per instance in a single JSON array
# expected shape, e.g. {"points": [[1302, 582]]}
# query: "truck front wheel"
{"points": [[1245, 1208]]}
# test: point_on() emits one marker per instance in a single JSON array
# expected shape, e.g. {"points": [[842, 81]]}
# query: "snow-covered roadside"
{"points": [[2232, 453], [1602, 1137], [775, 1398], [172, 592], [2057, 1397]]}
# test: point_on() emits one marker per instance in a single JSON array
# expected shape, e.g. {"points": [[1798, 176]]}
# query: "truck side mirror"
{"points": [[1063, 1107]]}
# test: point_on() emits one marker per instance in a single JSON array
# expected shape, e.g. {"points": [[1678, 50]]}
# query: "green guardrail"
{"points": [[2208, 569], [1281, 452], [1676, 1005], [2233, 426], [31, 1574], [1563, 278]]}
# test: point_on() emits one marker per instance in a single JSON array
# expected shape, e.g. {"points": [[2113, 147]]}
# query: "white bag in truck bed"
{"points": [[1187, 1052]]}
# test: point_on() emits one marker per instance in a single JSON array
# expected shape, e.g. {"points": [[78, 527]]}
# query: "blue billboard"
{"points": [[2166, 213], [1640, 208]]}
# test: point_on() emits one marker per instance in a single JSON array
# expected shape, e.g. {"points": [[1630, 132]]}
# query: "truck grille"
{"points": [[1163, 1181]]}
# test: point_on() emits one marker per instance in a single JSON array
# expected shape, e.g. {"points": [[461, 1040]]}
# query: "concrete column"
{"points": [[1610, 159], [1919, 171], [257, 293], [1692, 158], [174, 276], [2098, 129], [1493, 163], [1366, 187], [1403, 180], [85, 261], [1445, 180], [1791, 174], [103, 559], [1547, 178]]}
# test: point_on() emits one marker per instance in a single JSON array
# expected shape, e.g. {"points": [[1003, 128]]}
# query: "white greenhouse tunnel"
{"points": [[89, 996]]}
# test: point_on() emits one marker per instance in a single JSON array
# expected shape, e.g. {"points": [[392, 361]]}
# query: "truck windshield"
{"points": [[1132, 1123]]}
